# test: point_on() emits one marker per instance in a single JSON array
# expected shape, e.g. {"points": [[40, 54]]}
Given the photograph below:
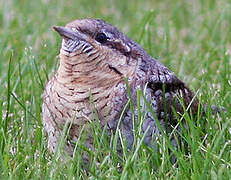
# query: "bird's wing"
{"points": [[161, 74], [168, 92]]}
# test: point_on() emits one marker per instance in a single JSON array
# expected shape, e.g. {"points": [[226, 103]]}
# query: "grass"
{"points": [[192, 38]]}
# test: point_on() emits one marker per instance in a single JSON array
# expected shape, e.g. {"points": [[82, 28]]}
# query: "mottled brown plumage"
{"points": [[95, 60]]}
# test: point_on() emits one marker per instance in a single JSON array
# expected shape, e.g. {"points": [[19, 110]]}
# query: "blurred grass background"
{"points": [[192, 38]]}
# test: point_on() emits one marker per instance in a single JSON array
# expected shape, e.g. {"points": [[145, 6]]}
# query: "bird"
{"points": [[98, 65]]}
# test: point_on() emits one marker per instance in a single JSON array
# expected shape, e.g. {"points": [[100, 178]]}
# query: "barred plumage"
{"points": [[95, 59]]}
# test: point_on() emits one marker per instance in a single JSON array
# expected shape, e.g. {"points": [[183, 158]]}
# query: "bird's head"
{"points": [[87, 35], [93, 44]]}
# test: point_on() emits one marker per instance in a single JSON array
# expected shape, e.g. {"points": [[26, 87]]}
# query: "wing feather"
{"points": [[169, 93]]}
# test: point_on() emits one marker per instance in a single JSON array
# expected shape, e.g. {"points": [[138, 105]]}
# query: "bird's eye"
{"points": [[101, 37]]}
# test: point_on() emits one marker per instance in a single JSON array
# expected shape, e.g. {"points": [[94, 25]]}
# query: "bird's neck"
{"points": [[79, 71], [99, 70]]}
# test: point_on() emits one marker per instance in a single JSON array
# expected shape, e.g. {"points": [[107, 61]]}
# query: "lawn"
{"points": [[192, 38]]}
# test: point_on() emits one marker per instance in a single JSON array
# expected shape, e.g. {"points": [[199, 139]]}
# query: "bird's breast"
{"points": [[84, 85]]}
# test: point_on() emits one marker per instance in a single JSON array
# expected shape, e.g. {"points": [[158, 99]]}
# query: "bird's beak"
{"points": [[68, 33]]}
